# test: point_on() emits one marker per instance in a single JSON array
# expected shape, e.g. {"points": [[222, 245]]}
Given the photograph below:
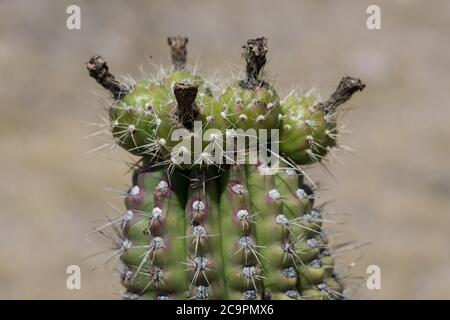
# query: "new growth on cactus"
{"points": [[198, 223]]}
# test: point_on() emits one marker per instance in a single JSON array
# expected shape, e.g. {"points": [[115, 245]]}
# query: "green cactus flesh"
{"points": [[222, 231], [237, 237], [307, 133], [256, 108]]}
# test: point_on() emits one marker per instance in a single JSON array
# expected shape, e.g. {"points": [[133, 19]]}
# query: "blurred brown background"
{"points": [[395, 187]]}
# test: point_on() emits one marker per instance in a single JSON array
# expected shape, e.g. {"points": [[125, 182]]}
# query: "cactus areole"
{"points": [[198, 223]]}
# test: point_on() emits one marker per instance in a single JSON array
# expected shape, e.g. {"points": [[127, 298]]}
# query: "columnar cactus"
{"points": [[198, 223]]}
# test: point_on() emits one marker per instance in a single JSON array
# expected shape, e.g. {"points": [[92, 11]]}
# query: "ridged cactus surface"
{"points": [[199, 224]]}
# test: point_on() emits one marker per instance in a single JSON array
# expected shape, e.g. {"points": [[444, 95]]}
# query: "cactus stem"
{"points": [[255, 232], [98, 69], [255, 58], [346, 88], [178, 51], [185, 93]]}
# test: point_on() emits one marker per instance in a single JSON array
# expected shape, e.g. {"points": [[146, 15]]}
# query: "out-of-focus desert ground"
{"points": [[394, 188]]}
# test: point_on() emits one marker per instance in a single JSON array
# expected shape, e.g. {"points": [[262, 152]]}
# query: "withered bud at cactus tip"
{"points": [[98, 69], [346, 88], [178, 51], [255, 57], [185, 94]]}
